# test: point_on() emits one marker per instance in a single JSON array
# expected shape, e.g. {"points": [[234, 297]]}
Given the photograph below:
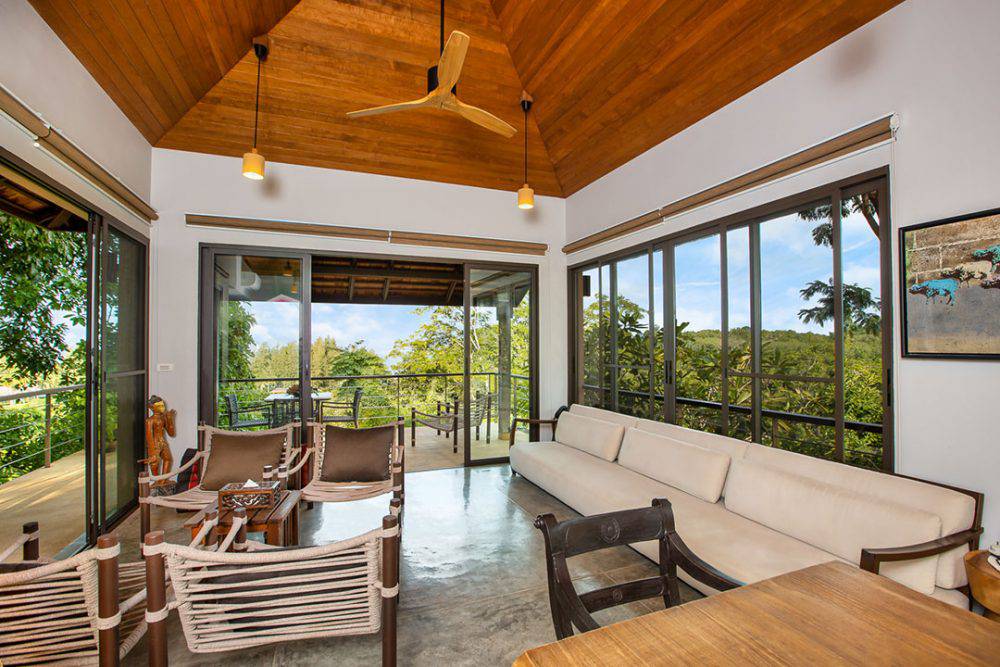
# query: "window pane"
{"points": [[699, 330], [257, 310], [632, 330], [796, 260], [591, 303], [811, 439], [740, 340], [862, 288]]}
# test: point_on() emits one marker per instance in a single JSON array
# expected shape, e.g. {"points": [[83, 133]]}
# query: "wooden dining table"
{"points": [[825, 614]]}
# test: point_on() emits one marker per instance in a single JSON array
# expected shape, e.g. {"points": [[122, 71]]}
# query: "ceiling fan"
{"points": [[441, 83]]}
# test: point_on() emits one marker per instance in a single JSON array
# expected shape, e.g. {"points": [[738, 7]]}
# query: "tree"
{"points": [[42, 276], [861, 310], [238, 351], [866, 204]]}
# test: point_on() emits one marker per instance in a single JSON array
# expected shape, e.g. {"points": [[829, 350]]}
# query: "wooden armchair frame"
{"points": [[574, 537]]}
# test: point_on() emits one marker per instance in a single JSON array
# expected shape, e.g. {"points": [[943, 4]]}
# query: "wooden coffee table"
{"points": [[825, 614], [280, 524]]}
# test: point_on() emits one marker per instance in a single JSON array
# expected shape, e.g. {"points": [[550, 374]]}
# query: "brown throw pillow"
{"points": [[237, 457], [357, 454]]}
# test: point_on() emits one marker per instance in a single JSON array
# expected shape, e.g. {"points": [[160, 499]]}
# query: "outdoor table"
{"points": [[275, 400], [280, 524]]}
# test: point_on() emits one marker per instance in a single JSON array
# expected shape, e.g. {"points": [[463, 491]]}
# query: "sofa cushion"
{"points": [[956, 509], [593, 436], [627, 421], [237, 457], [357, 454], [731, 446], [701, 472], [742, 549], [834, 520]]}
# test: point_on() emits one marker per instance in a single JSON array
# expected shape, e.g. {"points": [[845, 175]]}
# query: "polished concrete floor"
{"points": [[473, 575]]}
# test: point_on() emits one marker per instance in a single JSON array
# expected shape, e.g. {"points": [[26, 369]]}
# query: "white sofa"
{"points": [[754, 511]]}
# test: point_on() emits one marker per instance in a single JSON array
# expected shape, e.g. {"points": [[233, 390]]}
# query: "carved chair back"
{"points": [[582, 535]]}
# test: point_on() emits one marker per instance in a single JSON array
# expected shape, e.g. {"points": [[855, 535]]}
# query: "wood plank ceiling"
{"points": [[610, 79]]}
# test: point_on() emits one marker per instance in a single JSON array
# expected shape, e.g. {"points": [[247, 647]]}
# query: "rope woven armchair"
{"points": [[261, 595], [240, 455], [82, 610], [353, 464]]}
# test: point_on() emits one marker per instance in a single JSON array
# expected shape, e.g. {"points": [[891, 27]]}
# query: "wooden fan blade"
{"points": [[452, 59], [479, 117], [389, 108]]}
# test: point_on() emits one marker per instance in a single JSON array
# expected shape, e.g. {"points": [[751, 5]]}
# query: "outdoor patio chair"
{"points": [[86, 609], [261, 595], [238, 456], [354, 463], [452, 418], [237, 415], [582, 535], [354, 407]]}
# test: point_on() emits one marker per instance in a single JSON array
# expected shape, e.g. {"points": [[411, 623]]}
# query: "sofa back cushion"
{"points": [[830, 518], [604, 415], [695, 470], [955, 509], [593, 436], [731, 446]]}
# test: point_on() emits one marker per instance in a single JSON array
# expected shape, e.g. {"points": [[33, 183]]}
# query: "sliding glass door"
{"points": [[778, 327], [122, 376], [499, 383]]}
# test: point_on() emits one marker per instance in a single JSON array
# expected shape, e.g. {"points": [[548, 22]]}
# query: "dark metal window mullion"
{"points": [[650, 331], [669, 337], [755, 335], [838, 327], [724, 329], [613, 323]]}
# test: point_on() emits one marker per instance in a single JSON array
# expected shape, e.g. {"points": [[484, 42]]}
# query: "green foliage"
{"points": [[237, 352], [41, 273]]}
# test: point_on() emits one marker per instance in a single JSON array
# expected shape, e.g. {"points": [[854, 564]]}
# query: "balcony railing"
{"points": [[38, 427], [787, 430], [383, 397]]}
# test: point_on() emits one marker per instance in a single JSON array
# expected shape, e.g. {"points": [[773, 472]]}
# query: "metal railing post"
{"points": [[48, 430]]}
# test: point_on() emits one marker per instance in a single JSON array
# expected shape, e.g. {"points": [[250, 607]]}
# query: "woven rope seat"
{"points": [[49, 611], [260, 595], [318, 490]]}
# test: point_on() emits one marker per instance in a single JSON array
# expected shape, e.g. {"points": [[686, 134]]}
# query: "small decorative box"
{"points": [[257, 496]]}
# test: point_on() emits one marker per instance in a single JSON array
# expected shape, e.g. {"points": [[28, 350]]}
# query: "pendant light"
{"points": [[253, 162], [525, 196]]}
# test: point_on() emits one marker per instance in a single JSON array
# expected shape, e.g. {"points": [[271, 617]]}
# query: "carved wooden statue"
{"points": [[159, 424]]}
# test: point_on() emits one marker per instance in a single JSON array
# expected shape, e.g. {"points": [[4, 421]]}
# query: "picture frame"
{"points": [[949, 287]]}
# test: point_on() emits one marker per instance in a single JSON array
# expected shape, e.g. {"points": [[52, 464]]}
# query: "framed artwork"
{"points": [[950, 284]]}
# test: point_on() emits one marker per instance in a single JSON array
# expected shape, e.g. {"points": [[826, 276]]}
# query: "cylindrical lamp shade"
{"points": [[253, 165], [526, 197]]}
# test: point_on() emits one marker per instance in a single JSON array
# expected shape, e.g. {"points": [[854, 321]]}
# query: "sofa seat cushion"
{"points": [[955, 509], [592, 436], [627, 421], [698, 471], [952, 597], [834, 520], [742, 549]]}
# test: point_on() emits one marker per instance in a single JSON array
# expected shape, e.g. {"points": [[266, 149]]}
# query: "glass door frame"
{"points": [[532, 270], [877, 179], [208, 326]]}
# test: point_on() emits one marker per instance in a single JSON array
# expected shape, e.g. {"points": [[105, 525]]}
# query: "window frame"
{"points": [[751, 219]]}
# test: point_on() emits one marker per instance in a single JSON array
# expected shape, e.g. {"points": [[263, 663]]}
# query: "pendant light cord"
{"points": [[256, 102], [525, 145]]}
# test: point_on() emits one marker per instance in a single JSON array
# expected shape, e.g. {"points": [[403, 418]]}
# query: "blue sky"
{"points": [[790, 260], [379, 326]]}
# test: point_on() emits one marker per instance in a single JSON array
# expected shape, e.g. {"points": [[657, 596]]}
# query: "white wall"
{"points": [[195, 183], [38, 68], [935, 63]]}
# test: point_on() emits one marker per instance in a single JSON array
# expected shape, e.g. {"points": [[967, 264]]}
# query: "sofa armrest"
{"points": [[525, 420], [871, 559]]}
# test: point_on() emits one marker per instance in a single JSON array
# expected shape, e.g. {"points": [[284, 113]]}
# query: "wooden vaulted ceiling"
{"points": [[610, 79]]}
